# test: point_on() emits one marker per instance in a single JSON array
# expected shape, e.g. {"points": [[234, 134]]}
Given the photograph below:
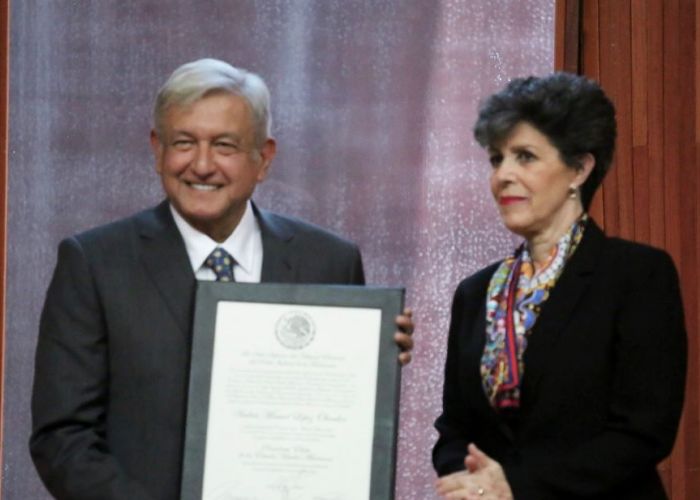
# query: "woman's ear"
{"points": [[586, 165]]}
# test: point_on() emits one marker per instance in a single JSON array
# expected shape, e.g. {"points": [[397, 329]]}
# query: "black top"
{"points": [[603, 385]]}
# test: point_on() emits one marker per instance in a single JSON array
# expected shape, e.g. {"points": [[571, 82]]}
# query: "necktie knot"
{"points": [[221, 262]]}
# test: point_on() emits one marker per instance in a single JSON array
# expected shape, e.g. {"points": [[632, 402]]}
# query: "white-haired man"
{"points": [[112, 360]]}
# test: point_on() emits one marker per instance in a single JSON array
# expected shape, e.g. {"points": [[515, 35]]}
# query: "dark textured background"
{"points": [[373, 103]]}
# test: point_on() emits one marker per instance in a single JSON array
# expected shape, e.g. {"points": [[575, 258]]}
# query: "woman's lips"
{"points": [[509, 200]]}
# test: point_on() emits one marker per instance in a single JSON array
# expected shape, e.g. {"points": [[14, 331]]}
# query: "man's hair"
{"points": [[198, 79], [571, 110]]}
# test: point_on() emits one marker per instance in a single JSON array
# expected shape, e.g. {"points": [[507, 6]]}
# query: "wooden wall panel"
{"points": [[689, 191], [640, 128], [566, 20], [615, 68], [590, 65], [671, 84], [644, 53], [694, 458], [4, 104], [655, 115]]}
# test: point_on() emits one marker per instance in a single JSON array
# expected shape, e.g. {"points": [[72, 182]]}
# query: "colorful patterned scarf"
{"points": [[513, 302]]}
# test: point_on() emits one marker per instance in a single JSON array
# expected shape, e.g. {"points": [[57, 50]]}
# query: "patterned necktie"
{"points": [[221, 263]]}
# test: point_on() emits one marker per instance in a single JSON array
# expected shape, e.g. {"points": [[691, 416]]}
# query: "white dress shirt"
{"points": [[244, 245]]}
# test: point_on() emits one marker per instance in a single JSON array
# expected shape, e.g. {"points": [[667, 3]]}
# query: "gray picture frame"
{"points": [[210, 294]]}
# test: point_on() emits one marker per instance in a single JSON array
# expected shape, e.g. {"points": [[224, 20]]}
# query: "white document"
{"points": [[292, 403]]}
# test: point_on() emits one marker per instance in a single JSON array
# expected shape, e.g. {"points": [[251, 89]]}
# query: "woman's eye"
{"points": [[495, 160], [525, 156]]}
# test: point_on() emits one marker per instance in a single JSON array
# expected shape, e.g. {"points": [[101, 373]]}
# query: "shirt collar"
{"points": [[240, 243]]}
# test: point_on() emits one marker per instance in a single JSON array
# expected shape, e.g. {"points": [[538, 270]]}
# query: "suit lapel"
{"points": [[560, 307], [164, 256], [476, 349], [554, 317], [279, 261]]}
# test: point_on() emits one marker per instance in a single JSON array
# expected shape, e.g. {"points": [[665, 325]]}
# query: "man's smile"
{"points": [[203, 187]]}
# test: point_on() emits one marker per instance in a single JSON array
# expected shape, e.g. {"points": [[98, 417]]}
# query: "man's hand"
{"points": [[403, 336]]}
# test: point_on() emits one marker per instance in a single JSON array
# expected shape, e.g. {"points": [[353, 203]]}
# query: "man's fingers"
{"points": [[405, 321], [404, 340]]}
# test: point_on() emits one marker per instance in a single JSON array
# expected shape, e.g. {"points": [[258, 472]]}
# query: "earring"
{"points": [[573, 192]]}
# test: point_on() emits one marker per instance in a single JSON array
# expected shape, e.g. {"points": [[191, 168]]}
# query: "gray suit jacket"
{"points": [[112, 361]]}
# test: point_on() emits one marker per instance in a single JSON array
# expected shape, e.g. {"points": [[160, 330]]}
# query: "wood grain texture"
{"points": [[566, 20], [689, 190], [644, 53], [672, 185], [608, 76], [590, 65], [639, 49], [655, 108], [4, 103], [693, 431], [560, 33]]}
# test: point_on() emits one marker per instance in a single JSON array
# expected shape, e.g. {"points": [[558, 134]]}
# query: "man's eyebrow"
{"points": [[224, 135], [182, 132], [229, 135]]}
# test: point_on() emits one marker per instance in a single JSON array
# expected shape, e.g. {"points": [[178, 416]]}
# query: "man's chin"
{"points": [[215, 224]]}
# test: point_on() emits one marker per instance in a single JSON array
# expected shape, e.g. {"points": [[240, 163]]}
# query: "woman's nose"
{"points": [[505, 171]]}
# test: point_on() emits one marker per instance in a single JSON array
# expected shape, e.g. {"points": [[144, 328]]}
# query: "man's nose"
{"points": [[203, 162]]}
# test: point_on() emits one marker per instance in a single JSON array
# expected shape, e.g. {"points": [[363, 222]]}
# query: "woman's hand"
{"points": [[483, 480]]}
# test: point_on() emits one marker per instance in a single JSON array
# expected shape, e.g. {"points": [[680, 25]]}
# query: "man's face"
{"points": [[208, 161]]}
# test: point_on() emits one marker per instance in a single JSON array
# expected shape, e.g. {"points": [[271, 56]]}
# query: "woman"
{"points": [[566, 361]]}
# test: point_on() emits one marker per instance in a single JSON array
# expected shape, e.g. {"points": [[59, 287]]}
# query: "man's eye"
{"points": [[226, 146], [182, 143]]}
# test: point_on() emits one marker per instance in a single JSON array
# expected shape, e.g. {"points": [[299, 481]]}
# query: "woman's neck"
{"points": [[540, 244]]}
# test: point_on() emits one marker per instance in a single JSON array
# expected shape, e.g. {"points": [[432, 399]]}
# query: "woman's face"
{"points": [[530, 184]]}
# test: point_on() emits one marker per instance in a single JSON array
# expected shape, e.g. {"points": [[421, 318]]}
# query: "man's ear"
{"points": [[157, 148], [267, 154]]}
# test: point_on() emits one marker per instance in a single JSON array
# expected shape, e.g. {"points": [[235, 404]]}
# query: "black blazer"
{"points": [[603, 386], [112, 360]]}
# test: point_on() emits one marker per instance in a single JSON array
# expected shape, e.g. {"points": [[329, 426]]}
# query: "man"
{"points": [[112, 359]]}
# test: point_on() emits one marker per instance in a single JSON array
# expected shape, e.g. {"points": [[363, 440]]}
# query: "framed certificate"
{"points": [[294, 393]]}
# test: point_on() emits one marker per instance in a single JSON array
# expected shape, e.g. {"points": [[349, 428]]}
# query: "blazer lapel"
{"points": [[560, 307], [476, 349], [279, 263], [165, 259]]}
